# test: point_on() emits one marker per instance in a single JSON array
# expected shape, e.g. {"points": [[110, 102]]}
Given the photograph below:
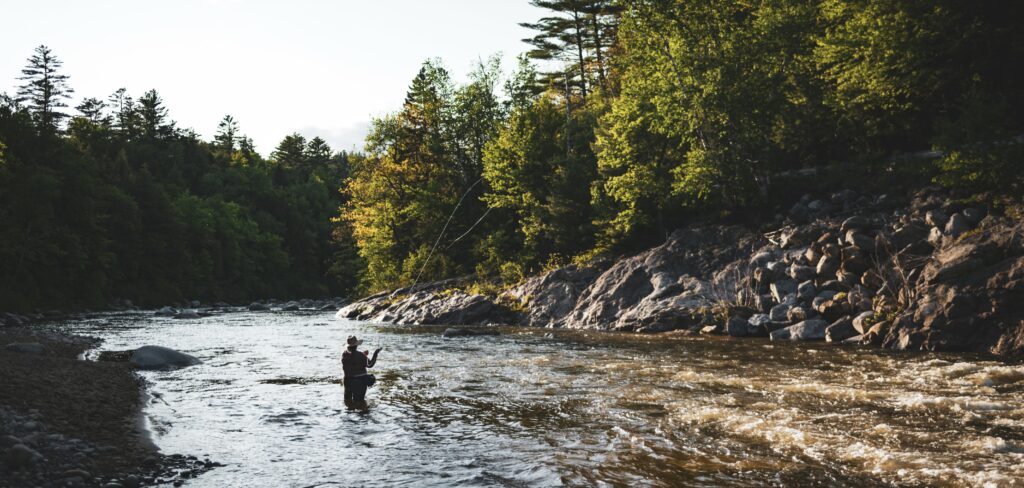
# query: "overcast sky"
{"points": [[320, 68]]}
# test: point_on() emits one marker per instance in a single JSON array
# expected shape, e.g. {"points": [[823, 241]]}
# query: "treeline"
{"points": [[116, 202], [661, 111], [626, 119]]}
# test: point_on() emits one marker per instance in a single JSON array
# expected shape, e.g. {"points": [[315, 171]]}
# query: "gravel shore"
{"points": [[73, 423]]}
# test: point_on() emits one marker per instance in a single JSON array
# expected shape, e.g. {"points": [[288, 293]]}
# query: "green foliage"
{"points": [[124, 205]]}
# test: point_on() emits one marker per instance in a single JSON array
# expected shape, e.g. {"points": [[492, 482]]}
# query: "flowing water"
{"points": [[535, 407]]}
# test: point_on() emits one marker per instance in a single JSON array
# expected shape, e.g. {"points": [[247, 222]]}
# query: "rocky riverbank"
{"points": [[66, 422], [923, 272]]}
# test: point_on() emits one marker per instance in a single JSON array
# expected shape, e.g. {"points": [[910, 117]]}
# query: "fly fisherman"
{"points": [[354, 364]]}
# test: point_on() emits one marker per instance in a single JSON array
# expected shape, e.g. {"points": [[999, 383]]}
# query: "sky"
{"points": [[319, 68]]}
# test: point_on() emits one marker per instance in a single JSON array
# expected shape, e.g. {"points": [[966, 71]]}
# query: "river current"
{"points": [[541, 407]]}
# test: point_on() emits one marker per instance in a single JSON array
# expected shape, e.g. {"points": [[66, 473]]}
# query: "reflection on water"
{"points": [[572, 409]]}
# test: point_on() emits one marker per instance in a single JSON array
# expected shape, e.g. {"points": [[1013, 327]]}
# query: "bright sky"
{"points": [[320, 68]]}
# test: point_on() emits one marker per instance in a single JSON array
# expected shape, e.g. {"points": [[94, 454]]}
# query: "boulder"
{"points": [[840, 330], [757, 324], [782, 289], [856, 222], [166, 312], [780, 312], [737, 326], [808, 330], [25, 348], [550, 297], [797, 314], [957, 225], [806, 291], [459, 332], [158, 357], [801, 273], [187, 314], [258, 307], [290, 307], [861, 241], [936, 218], [828, 265], [974, 216]]}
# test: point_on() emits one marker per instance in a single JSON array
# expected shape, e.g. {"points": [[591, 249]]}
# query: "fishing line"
{"points": [[443, 229], [464, 234]]}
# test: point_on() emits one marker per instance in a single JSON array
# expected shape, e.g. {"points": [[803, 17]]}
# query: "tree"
{"points": [[45, 89], [92, 109], [153, 116], [227, 134], [580, 32]]}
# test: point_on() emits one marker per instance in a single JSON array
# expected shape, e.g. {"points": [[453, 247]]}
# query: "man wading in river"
{"points": [[354, 364]]}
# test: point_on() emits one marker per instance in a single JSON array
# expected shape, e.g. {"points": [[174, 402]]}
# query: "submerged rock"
{"points": [[25, 347], [158, 357], [456, 332]]}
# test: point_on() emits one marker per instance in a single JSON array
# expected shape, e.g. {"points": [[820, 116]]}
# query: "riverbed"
{"points": [[542, 407]]}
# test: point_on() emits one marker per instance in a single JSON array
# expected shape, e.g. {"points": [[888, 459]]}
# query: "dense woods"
{"points": [[624, 121]]}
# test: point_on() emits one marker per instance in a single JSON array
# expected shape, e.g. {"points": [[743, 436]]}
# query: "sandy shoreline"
{"points": [[69, 422]]}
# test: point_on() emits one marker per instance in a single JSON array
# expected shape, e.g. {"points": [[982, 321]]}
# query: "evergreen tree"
{"points": [[45, 89], [227, 134]]}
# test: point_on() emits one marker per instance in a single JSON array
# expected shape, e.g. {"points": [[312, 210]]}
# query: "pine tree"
{"points": [[45, 89], [153, 116], [580, 33], [227, 132], [92, 110]]}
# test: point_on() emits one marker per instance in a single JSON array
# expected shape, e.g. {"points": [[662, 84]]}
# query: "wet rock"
{"points": [[187, 314], [257, 307], [459, 332], [737, 326], [757, 324], [166, 312], [808, 330], [957, 225], [158, 357], [290, 307], [840, 330], [25, 348], [876, 334]]}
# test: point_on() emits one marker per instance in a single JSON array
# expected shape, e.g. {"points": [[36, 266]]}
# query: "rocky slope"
{"points": [[924, 272]]}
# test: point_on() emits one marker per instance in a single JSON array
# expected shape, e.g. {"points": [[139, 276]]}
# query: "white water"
{"points": [[576, 409]]}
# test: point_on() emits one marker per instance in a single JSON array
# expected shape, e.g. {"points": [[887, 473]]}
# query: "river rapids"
{"points": [[542, 407]]}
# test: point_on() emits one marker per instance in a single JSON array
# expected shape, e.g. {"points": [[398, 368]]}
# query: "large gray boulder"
{"points": [[549, 297], [158, 357], [666, 287], [808, 330]]}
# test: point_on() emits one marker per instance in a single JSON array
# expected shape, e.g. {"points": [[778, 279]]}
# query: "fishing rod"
{"points": [[443, 229]]}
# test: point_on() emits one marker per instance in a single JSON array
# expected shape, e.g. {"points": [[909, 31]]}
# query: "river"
{"points": [[541, 407]]}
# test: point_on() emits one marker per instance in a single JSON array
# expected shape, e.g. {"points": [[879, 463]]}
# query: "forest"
{"points": [[624, 121]]}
